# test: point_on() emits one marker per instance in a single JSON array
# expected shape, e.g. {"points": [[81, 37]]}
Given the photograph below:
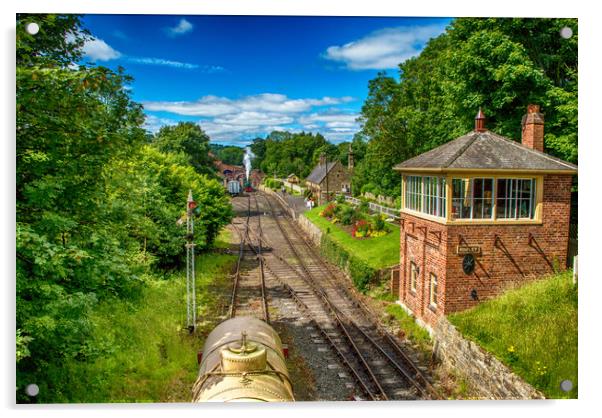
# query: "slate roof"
{"points": [[318, 174], [485, 150]]}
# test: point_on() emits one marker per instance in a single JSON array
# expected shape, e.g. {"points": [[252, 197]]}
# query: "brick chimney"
{"points": [[532, 125], [350, 160], [479, 122], [322, 159]]}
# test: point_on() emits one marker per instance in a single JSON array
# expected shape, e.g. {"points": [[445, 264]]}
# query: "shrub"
{"points": [[328, 211], [361, 229], [361, 273], [340, 199], [363, 206], [379, 222], [368, 188], [347, 215], [273, 183]]}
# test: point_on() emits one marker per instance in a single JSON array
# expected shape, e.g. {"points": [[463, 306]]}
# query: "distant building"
{"points": [[237, 172], [292, 179], [480, 214], [328, 178]]}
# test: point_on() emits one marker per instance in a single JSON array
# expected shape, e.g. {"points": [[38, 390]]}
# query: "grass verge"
{"points": [[377, 252], [148, 356], [533, 330]]}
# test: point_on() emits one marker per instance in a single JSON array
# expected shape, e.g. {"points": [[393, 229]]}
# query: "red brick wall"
{"points": [[423, 242], [508, 261]]}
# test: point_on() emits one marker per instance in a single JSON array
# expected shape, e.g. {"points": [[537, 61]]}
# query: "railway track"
{"points": [[249, 294], [375, 360]]}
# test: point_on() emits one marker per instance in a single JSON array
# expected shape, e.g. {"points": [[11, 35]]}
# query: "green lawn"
{"points": [[533, 330], [378, 252], [148, 356]]}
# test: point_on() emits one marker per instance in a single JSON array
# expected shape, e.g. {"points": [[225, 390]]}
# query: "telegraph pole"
{"points": [[190, 273]]}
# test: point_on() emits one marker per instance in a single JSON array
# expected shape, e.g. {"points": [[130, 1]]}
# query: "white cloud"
{"points": [[161, 61], [330, 120], [254, 119], [242, 119], [181, 28], [153, 123], [385, 48], [267, 102], [98, 50]]}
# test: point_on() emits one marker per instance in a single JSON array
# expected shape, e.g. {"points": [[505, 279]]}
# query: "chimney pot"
{"points": [[479, 124], [533, 108]]}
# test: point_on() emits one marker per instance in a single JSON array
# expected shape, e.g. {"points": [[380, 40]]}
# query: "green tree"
{"points": [[58, 43], [189, 139], [498, 64], [283, 153], [229, 154], [96, 208]]}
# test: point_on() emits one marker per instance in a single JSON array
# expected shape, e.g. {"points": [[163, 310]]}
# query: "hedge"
{"points": [[361, 273]]}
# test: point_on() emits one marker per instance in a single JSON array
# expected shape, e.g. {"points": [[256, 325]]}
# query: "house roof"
{"points": [[318, 174], [487, 151]]}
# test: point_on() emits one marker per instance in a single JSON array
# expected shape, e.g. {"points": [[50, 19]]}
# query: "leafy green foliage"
{"points": [[151, 189], [188, 139], [499, 64], [96, 207], [229, 154], [283, 153], [272, 183], [348, 215], [143, 354], [58, 43]]}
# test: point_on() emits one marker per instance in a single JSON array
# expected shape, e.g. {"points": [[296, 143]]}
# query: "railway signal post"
{"points": [[190, 271]]}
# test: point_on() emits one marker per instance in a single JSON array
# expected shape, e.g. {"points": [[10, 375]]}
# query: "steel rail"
{"points": [[264, 299], [310, 281], [246, 240], [295, 296], [426, 388]]}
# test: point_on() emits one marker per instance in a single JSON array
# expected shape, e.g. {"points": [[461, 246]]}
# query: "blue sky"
{"points": [[241, 77]]}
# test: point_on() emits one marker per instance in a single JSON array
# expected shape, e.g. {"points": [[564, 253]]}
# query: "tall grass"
{"points": [[148, 356], [533, 330]]}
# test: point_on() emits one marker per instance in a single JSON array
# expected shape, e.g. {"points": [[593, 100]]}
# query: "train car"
{"points": [[234, 188], [243, 361]]}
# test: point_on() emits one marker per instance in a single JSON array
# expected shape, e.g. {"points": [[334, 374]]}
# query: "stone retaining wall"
{"points": [[313, 232], [491, 378]]}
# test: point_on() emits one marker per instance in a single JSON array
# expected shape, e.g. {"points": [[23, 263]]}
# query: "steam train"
{"points": [[234, 187], [243, 361]]}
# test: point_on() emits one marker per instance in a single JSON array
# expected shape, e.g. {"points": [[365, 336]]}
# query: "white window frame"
{"points": [[413, 276], [426, 195], [433, 290], [516, 199]]}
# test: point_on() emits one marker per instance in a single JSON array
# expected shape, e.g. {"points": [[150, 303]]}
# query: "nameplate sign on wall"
{"points": [[468, 249]]}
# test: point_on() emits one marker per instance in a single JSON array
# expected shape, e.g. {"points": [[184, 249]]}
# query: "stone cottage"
{"points": [[328, 178]]}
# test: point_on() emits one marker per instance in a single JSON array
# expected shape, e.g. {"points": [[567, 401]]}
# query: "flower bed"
{"points": [[355, 221]]}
